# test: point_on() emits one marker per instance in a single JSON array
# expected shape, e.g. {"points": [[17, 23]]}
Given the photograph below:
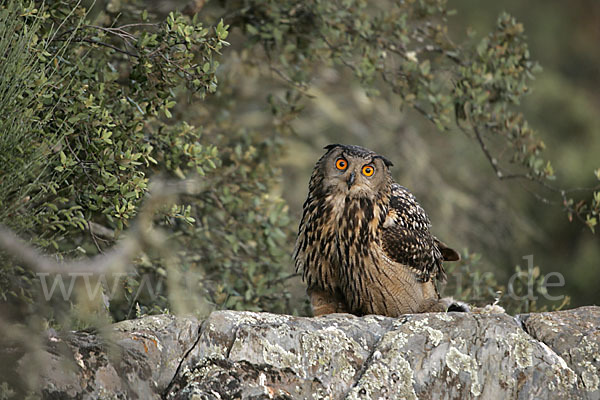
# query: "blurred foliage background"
{"points": [[97, 99], [563, 107]]}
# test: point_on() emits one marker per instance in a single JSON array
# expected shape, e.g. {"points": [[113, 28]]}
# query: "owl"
{"points": [[364, 244]]}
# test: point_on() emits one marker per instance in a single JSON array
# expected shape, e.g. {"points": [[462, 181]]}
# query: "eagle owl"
{"points": [[364, 244]]}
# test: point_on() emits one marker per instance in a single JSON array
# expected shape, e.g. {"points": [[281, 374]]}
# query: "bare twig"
{"points": [[100, 251], [493, 162], [285, 278], [299, 86], [101, 230], [36, 261], [115, 48], [565, 201]]}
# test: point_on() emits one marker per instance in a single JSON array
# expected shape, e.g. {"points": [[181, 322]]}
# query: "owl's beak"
{"points": [[350, 180]]}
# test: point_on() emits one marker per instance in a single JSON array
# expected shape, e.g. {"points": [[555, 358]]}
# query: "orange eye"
{"points": [[341, 164], [368, 170]]}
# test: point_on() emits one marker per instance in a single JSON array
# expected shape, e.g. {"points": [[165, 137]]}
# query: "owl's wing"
{"points": [[407, 240]]}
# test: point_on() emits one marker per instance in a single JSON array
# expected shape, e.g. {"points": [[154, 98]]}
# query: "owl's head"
{"points": [[353, 170]]}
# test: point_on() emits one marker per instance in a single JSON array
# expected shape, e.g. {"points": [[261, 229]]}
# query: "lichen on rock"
{"points": [[257, 355], [459, 362]]}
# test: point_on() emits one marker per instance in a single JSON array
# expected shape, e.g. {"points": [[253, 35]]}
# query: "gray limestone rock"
{"points": [[246, 355], [135, 359], [574, 335]]}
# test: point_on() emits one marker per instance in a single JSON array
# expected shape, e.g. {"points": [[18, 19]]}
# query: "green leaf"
{"points": [[591, 222]]}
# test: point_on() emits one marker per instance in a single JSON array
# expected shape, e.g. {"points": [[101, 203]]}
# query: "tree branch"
{"points": [[141, 236]]}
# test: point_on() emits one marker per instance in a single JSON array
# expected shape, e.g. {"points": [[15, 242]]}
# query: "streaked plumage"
{"points": [[364, 244]]}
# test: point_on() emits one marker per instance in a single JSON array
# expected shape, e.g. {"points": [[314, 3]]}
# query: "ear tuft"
{"points": [[387, 162], [332, 146]]}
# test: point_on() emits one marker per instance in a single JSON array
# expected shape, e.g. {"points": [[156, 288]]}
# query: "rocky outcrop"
{"points": [[135, 359], [258, 355]]}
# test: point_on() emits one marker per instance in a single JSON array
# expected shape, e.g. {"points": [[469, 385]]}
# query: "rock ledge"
{"points": [[259, 355]]}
